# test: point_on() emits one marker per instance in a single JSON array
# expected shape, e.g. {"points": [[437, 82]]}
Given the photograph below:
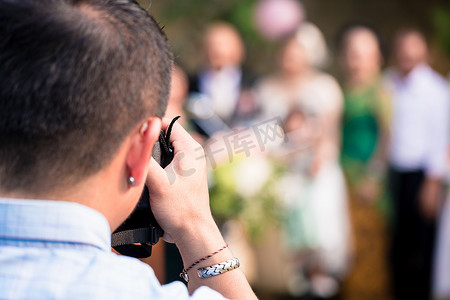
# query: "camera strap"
{"points": [[140, 231]]}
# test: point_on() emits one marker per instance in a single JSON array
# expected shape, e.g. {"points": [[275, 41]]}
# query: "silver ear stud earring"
{"points": [[131, 181]]}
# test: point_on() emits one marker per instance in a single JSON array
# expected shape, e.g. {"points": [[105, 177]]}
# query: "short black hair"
{"points": [[75, 77]]}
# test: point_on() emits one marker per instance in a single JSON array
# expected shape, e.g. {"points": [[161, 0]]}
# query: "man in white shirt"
{"points": [[418, 162], [83, 87]]}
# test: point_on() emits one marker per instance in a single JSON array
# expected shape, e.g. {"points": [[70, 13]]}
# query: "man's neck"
{"points": [[81, 193], [404, 74]]}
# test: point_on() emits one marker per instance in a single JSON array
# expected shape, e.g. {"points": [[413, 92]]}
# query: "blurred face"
{"points": [[410, 50], [293, 60], [361, 58], [223, 47], [178, 88], [178, 94]]}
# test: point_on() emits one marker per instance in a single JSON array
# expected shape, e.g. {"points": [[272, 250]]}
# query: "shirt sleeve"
{"points": [[138, 281], [177, 290], [436, 162]]}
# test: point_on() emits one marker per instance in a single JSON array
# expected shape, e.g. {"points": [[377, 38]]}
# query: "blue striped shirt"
{"points": [[61, 250]]}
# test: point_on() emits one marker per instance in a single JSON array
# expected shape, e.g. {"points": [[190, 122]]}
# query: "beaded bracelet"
{"points": [[184, 273]]}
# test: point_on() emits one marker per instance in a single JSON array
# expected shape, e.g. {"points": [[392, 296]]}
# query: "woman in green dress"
{"points": [[365, 134]]}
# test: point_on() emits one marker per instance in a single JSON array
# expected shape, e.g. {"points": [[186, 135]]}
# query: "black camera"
{"points": [[140, 231]]}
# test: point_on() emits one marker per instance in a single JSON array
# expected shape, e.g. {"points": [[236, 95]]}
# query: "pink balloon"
{"points": [[276, 19]]}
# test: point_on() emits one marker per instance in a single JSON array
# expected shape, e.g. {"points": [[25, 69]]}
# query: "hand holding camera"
{"points": [[179, 193], [179, 200]]}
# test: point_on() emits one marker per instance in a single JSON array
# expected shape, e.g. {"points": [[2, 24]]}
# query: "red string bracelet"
{"points": [[184, 274]]}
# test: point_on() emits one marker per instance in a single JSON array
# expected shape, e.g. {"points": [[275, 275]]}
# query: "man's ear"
{"points": [[142, 141]]}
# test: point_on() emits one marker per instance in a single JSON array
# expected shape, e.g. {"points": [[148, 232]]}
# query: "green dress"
{"points": [[365, 116]]}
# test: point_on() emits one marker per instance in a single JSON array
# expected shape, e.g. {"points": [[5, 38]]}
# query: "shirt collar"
{"points": [[229, 71], [53, 221], [414, 75]]}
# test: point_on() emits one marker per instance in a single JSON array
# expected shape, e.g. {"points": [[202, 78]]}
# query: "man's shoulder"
{"points": [[436, 87], [128, 278], [68, 273], [422, 78], [434, 77], [120, 272]]}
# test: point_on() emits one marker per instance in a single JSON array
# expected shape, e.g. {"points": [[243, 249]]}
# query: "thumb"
{"points": [[156, 176]]}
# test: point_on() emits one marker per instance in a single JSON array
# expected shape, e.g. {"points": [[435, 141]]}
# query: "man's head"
{"points": [[178, 93], [223, 46], [410, 49], [75, 78]]}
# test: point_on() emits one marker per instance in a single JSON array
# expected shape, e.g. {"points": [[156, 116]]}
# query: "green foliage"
{"points": [[441, 22], [226, 203], [256, 211], [185, 21]]}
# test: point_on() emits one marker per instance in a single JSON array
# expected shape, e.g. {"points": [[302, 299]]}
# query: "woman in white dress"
{"points": [[310, 102]]}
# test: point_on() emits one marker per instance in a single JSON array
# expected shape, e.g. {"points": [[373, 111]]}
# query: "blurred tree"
{"points": [[441, 22], [185, 20], [442, 25]]}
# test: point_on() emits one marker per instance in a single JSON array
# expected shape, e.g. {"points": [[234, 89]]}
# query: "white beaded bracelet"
{"points": [[219, 268]]}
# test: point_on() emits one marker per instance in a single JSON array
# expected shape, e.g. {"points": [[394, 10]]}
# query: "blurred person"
{"points": [[441, 264], [417, 162], [179, 89], [309, 102], [298, 68], [299, 84], [76, 141], [222, 79], [365, 137]]}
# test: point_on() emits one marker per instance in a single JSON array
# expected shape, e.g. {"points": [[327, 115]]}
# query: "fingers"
{"points": [[179, 193], [181, 140], [186, 149]]}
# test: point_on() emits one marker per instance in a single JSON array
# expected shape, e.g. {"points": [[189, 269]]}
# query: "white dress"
{"points": [[317, 205]]}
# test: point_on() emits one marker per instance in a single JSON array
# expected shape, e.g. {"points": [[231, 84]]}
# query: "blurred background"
{"points": [[326, 128], [185, 22]]}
